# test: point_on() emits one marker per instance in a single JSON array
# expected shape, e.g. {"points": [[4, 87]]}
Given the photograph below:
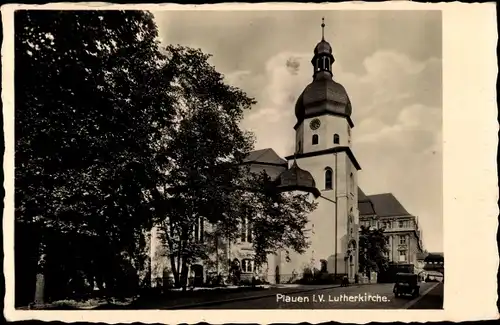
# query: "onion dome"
{"points": [[323, 47], [323, 95], [297, 179]]}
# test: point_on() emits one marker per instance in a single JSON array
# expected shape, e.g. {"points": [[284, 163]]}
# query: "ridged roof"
{"points": [[365, 206], [265, 156], [386, 205]]}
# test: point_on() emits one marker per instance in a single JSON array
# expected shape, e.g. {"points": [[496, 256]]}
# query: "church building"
{"points": [[324, 158], [323, 165]]}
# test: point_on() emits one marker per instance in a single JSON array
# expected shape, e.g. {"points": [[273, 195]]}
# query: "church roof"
{"points": [[323, 95], [265, 156], [323, 47], [297, 179], [362, 196], [386, 205], [365, 206]]}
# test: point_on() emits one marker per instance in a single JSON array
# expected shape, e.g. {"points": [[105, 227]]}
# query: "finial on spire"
{"points": [[323, 28]]}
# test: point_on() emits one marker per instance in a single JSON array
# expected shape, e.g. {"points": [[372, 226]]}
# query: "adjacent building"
{"points": [[401, 228]]}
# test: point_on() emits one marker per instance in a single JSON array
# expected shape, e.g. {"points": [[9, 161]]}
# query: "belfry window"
{"points": [[328, 179], [315, 139], [336, 139]]}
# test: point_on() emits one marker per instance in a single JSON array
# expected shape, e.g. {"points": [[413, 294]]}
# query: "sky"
{"points": [[390, 63]]}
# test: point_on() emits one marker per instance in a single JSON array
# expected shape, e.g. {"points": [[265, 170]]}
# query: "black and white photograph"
{"points": [[228, 159]]}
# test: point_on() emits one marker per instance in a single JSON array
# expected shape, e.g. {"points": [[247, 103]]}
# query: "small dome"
{"points": [[323, 95], [323, 47], [297, 179]]}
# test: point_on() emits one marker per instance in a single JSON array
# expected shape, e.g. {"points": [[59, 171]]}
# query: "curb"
{"points": [[210, 303]]}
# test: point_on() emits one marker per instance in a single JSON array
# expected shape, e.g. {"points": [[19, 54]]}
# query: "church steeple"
{"points": [[323, 96], [323, 58]]}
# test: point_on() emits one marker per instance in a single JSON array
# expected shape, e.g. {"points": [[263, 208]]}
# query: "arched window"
{"points": [[315, 139], [328, 179], [336, 139], [327, 67], [317, 64]]}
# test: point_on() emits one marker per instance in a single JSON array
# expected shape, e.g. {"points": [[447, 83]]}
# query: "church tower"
{"points": [[323, 148]]}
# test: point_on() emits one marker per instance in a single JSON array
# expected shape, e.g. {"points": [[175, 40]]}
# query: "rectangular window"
{"points": [[402, 256], [402, 240], [199, 229], [202, 229], [247, 266], [246, 231]]}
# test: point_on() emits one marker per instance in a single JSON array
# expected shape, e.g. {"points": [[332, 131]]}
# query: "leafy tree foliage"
{"points": [[115, 135], [90, 101], [372, 250], [277, 220]]}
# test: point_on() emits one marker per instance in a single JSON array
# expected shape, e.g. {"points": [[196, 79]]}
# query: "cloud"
{"points": [[398, 116]]}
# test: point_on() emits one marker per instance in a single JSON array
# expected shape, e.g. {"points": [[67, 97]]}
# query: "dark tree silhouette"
{"points": [[372, 250], [90, 100]]}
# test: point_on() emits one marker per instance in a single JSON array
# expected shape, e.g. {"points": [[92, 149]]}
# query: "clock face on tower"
{"points": [[315, 124]]}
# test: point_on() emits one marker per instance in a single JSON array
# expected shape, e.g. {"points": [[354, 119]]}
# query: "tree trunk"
{"points": [[40, 275], [175, 270], [184, 275]]}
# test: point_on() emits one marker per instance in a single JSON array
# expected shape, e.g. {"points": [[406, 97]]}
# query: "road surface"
{"points": [[375, 296]]}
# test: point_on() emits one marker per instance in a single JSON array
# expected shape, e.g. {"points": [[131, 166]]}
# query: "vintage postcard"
{"points": [[250, 163]]}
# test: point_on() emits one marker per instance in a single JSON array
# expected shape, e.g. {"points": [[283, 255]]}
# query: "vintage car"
{"points": [[406, 284]]}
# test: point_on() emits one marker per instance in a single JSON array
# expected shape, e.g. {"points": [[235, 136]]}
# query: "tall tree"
{"points": [[91, 105], [204, 149], [373, 250], [205, 178]]}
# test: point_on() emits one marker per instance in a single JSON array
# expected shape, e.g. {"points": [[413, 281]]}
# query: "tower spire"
{"points": [[323, 28]]}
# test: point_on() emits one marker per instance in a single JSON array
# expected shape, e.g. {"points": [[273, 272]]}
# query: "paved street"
{"points": [[431, 300], [354, 297]]}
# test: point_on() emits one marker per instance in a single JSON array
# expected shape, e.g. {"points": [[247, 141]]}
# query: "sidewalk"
{"points": [[248, 295], [201, 298]]}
